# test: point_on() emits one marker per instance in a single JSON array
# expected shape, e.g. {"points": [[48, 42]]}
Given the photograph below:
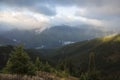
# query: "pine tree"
{"points": [[63, 65], [92, 72], [47, 67], [19, 62], [38, 64], [91, 67], [83, 77], [70, 67]]}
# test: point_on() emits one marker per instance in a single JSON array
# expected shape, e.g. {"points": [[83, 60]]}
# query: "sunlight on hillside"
{"points": [[117, 39], [108, 38]]}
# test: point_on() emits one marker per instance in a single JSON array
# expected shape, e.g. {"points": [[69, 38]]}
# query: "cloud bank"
{"points": [[30, 14]]}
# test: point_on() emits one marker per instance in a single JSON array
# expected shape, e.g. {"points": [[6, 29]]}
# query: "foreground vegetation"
{"points": [[39, 76], [20, 67]]}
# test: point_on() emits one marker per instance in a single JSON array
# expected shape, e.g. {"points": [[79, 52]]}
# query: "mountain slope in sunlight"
{"points": [[106, 49]]}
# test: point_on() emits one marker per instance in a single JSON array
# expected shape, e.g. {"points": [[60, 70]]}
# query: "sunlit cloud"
{"points": [[67, 15], [24, 19]]}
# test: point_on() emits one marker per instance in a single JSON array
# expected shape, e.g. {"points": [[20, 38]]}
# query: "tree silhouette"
{"points": [[92, 73], [91, 66]]}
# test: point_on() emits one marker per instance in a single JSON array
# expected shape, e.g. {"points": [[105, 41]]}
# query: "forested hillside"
{"points": [[106, 50], [77, 59]]}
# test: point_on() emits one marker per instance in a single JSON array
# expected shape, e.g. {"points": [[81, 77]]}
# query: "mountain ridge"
{"points": [[53, 37]]}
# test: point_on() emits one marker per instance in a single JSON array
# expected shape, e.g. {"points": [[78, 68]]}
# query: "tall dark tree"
{"points": [[91, 66], [92, 73], [19, 62], [70, 67]]}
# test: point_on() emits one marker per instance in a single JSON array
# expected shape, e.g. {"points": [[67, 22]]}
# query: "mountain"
{"points": [[106, 50], [107, 55], [53, 37], [6, 41]]}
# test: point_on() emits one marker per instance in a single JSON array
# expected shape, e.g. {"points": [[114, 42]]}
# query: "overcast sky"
{"points": [[30, 14]]}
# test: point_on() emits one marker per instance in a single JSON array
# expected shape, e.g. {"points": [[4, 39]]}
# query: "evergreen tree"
{"points": [[91, 67], [38, 64], [63, 65], [19, 62], [70, 67], [47, 67], [83, 77], [92, 72]]}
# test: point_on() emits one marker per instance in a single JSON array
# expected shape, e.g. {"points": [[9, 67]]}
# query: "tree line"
{"points": [[20, 63]]}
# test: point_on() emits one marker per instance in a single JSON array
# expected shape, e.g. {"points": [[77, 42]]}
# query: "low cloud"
{"points": [[23, 20], [30, 14]]}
